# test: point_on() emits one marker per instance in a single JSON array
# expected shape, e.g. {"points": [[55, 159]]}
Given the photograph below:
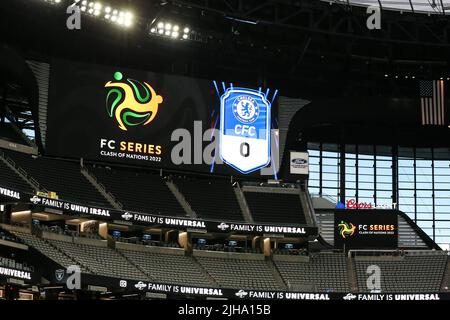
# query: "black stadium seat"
{"points": [[62, 177], [9, 179], [142, 192], [7, 132], [211, 199], [413, 272], [275, 207]]}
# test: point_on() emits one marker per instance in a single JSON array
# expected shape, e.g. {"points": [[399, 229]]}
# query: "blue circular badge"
{"points": [[245, 109]]}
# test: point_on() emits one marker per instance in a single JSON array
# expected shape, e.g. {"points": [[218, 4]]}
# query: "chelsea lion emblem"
{"points": [[245, 109]]}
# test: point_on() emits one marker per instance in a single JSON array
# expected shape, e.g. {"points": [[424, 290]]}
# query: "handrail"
{"points": [[374, 252], [102, 187], [324, 196], [22, 172], [309, 202]]}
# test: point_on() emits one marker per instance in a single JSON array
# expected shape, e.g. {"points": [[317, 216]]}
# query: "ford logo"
{"points": [[299, 161]]}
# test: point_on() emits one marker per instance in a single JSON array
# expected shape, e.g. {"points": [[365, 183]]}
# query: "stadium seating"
{"points": [[10, 263], [9, 237], [169, 268], [275, 207], [62, 177], [100, 260], [240, 273], [219, 247], [324, 272], [420, 271], [8, 133], [8, 178], [47, 249], [412, 272], [211, 199], [59, 230], [142, 192]]}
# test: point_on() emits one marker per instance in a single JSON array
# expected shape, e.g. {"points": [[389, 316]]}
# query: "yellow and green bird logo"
{"points": [[131, 102], [346, 229]]}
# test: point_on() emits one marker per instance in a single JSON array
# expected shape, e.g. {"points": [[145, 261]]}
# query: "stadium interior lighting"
{"points": [[53, 1], [170, 30], [106, 12]]}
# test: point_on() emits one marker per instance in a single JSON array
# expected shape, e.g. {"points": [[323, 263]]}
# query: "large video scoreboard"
{"points": [[112, 114]]}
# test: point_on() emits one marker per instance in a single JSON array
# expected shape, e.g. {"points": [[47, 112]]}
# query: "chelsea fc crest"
{"points": [[245, 109], [245, 129]]}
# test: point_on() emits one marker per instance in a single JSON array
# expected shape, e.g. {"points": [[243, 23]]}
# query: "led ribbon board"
{"points": [[245, 129]]}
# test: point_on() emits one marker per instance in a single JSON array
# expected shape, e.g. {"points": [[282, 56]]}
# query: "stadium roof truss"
{"points": [[344, 18], [417, 6]]}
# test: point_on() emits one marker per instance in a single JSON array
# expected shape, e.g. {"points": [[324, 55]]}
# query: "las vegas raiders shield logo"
{"points": [[245, 129], [59, 274]]}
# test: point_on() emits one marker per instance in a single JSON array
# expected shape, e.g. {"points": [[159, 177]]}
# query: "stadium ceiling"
{"points": [[340, 18], [417, 6], [408, 43], [402, 22], [288, 34], [293, 43]]}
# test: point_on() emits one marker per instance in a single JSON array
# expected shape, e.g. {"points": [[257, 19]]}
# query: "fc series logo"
{"points": [[346, 229], [131, 103]]}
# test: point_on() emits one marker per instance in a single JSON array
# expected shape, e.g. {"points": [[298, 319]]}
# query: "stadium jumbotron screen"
{"points": [[112, 114]]}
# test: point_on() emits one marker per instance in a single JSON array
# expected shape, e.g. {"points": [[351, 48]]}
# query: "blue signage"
{"points": [[245, 129]]}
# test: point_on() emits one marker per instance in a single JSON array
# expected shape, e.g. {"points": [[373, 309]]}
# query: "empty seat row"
{"points": [[62, 177], [275, 207], [410, 273], [139, 191], [324, 272], [211, 199]]}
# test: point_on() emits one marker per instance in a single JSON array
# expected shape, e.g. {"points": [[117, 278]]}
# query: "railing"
{"points": [[301, 288], [325, 196], [281, 185], [102, 187], [309, 203], [361, 252], [243, 203], [23, 173]]}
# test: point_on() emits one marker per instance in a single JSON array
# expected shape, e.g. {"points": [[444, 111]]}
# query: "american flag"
{"points": [[432, 102]]}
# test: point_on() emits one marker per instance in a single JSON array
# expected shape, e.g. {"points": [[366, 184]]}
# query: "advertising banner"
{"points": [[174, 290], [59, 206], [365, 229], [299, 163]]}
